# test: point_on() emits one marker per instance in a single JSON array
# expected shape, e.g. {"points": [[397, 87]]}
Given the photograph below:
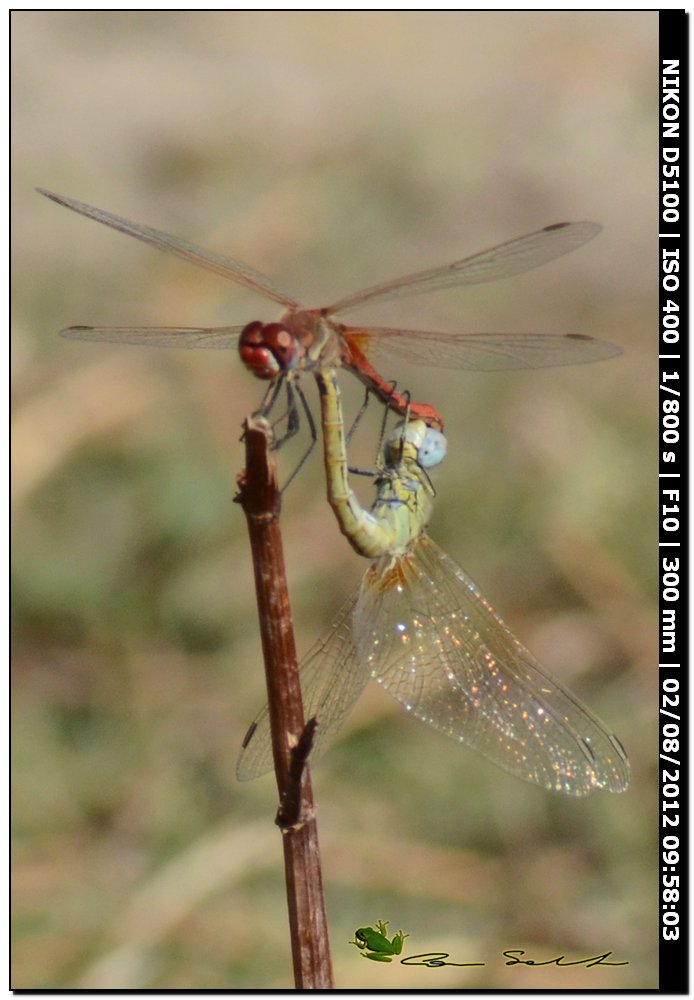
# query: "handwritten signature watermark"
{"points": [[374, 944]]}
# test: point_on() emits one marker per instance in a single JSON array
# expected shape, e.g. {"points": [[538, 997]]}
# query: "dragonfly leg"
{"points": [[294, 416], [406, 419], [386, 411], [360, 414], [355, 423], [290, 414], [269, 399]]}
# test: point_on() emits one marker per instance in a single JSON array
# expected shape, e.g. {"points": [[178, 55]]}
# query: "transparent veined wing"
{"points": [[189, 337], [227, 267], [502, 261], [482, 352], [332, 678], [430, 638]]}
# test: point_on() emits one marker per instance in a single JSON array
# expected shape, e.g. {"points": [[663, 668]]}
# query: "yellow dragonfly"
{"points": [[420, 627]]}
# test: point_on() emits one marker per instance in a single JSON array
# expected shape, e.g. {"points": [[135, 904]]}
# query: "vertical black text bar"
{"points": [[673, 552]]}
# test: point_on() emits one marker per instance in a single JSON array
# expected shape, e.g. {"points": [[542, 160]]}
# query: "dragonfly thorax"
{"points": [[317, 337]]}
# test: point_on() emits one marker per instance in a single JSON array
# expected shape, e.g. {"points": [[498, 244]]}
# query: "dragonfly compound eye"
{"points": [[283, 345], [268, 349], [432, 450]]}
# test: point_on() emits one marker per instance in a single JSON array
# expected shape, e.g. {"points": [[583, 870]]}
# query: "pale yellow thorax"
{"points": [[404, 494]]}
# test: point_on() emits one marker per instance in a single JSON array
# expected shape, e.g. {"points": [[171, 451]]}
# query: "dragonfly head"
{"points": [[415, 441], [268, 349]]}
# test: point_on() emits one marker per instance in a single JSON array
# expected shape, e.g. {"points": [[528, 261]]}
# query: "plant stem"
{"points": [[291, 739]]}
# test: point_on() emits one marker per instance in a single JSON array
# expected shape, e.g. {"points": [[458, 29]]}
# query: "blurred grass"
{"points": [[330, 150]]}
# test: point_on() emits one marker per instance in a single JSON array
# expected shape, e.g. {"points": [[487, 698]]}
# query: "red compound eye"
{"points": [[268, 349], [283, 345]]}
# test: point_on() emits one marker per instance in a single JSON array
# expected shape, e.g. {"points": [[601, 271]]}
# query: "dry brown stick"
{"points": [[260, 499]]}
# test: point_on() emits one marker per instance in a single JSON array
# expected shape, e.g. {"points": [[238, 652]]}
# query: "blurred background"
{"points": [[331, 151]]}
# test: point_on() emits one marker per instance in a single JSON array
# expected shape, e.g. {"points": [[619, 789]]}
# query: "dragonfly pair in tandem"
{"points": [[418, 625]]}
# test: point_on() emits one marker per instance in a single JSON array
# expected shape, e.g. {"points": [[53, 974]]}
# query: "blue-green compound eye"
{"points": [[432, 449]]}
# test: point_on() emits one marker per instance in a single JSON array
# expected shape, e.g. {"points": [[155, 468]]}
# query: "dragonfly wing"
{"points": [[432, 640], [503, 261], [209, 338], [227, 267], [332, 678], [483, 352]]}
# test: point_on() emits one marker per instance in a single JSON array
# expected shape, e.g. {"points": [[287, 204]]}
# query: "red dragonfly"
{"points": [[306, 339]]}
